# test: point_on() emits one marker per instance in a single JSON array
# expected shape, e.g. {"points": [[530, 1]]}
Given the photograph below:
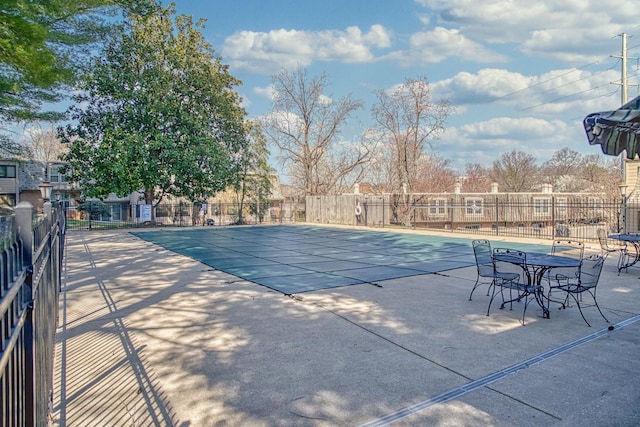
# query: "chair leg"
{"points": [[491, 301], [527, 300], [622, 260], [493, 295], [595, 301], [477, 284], [474, 287], [580, 309]]}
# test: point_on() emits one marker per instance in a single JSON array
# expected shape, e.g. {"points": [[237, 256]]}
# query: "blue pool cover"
{"points": [[300, 258]]}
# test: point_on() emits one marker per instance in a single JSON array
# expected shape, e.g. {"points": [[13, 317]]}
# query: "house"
{"points": [[20, 181]]}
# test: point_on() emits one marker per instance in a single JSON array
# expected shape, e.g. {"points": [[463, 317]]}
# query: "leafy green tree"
{"points": [[157, 113], [95, 209], [255, 174], [43, 44]]}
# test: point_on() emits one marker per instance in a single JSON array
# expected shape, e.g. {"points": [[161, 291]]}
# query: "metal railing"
{"points": [[536, 215], [542, 216], [30, 279], [187, 215]]}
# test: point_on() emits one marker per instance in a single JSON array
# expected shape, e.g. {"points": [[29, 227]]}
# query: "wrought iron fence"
{"points": [[187, 215], [30, 282], [533, 215]]}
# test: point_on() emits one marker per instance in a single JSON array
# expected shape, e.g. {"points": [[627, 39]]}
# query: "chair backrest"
{"points": [[568, 248], [484, 260], [508, 261], [603, 239], [590, 271]]}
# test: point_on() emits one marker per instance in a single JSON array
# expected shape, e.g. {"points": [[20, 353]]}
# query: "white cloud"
{"points": [[441, 43], [265, 92], [570, 30], [550, 93], [484, 141], [269, 52]]}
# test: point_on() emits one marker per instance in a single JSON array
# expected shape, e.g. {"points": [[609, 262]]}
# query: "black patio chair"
{"points": [[607, 248], [586, 282], [567, 248], [484, 265], [512, 274]]}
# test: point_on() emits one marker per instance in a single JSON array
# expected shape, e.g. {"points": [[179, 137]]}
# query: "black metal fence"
{"points": [[187, 215], [30, 279], [533, 215], [539, 215]]}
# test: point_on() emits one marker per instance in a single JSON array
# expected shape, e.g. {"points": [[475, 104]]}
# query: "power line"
{"points": [[578, 80], [551, 79], [564, 97], [568, 83]]}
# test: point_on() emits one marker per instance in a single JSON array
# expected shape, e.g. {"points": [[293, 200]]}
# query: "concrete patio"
{"points": [[148, 337]]}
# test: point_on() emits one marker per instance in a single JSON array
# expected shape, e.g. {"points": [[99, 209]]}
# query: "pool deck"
{"points": [[148, 337]]}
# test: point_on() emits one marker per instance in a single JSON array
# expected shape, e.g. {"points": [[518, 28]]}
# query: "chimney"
{"points": [[494, 187]]}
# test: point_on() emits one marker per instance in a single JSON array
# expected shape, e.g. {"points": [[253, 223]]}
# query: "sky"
{"points": [[521, 74]]}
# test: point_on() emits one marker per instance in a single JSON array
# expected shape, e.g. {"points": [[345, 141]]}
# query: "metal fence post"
{"points": [[24, 232], [497, 219], [553, 217]]}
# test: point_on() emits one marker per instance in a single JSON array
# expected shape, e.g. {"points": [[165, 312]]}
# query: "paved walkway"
{"points": [[148, 337]]}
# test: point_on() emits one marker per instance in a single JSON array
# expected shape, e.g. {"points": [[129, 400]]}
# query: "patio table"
{"points": [[628, 260], [538, 264]]}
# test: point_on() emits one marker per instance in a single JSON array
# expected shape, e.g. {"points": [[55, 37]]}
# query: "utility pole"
{"points": [[624, 82], [624, 93]]}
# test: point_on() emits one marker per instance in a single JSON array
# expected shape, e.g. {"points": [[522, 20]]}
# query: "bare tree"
{"points": [[304, 125], [477, 178], [515, 172], [434, 174], [43, 143], [600, 175], [378, 172], [562, 170], [410, 120]]}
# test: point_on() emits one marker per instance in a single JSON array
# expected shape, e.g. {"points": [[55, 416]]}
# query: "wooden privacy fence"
{"points": [[30, 279]]}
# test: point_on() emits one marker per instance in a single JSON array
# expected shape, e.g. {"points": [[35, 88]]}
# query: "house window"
{"points": [[8, 199], [541, 206], [7, 171], [561, 206], [64, 198], [474, 207], [594, 203], [56, 176], [438, 207]]}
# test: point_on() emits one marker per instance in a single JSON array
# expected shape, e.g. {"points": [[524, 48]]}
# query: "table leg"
{"points": [[539, 292]]}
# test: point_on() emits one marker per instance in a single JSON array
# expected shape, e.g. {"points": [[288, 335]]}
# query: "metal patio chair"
{"points": [[567, 248], [484, 265], [606, 248], [586, 282], [512, 274]]}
